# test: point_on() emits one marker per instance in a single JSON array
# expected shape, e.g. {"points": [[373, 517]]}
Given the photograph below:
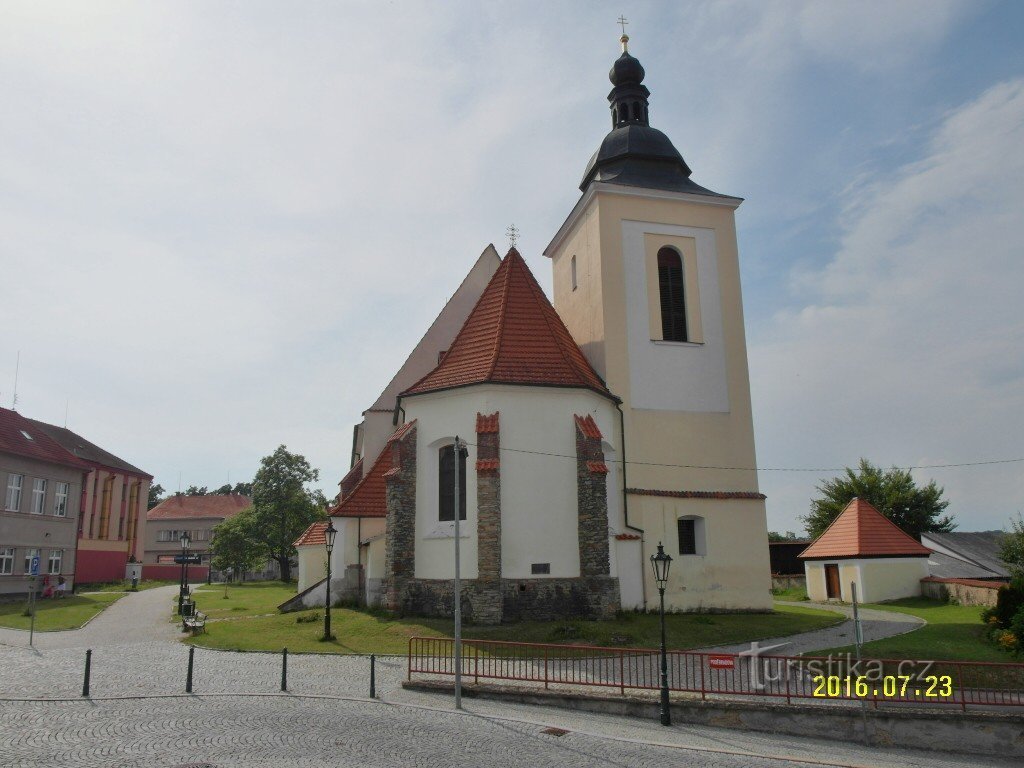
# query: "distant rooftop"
{"points": [[24, 437], [86, 450], [195, 507]]}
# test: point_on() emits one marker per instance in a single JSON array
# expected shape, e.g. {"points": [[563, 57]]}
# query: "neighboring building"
{"points": [[111, 529], [784, 557], [198, 515], [42, 492], [311, 547], [641, 355], [966, 555], [863, 546]]}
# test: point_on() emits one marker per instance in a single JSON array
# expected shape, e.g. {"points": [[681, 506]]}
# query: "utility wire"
{"points": [[756, 469]]}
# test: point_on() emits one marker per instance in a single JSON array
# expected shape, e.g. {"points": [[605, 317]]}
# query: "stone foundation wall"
{"points": [[593, 597]]}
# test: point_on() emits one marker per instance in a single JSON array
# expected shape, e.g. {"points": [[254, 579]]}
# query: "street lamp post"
{"points": [[329, 534], [660, 563], [185, 541]]}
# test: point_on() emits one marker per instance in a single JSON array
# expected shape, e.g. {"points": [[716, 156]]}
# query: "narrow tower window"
{"points": [[673, 301], [446, 484], [572, 268]]}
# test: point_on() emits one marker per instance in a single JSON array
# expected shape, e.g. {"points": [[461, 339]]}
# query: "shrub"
{"points": [[1009, 602]]}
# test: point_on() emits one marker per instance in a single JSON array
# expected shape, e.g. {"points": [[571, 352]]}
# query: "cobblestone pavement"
{"points": [[139, 714]]}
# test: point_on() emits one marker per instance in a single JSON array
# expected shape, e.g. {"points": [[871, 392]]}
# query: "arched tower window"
{"points": [[673, 299], [636, 110], [446, 484]]}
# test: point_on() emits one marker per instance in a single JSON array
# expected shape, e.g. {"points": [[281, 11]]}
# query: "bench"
{"points": [[195, 623]]}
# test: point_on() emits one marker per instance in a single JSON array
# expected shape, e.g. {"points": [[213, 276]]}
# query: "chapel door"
{"points": [[832, 590]]}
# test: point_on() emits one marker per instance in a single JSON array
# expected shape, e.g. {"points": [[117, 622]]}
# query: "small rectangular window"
{"points": [[56, 557], [29, 554], [572, 268], [539, 568], [14, 483], [60, 499], [446, 484], [6, 561], [38, 496], [687, 537]]}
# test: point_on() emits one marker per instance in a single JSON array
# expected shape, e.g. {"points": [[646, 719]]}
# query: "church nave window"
{"points": [[446, 484], [691, 535], [672, 294]]}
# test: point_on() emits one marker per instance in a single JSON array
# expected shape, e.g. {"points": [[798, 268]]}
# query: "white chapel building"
{"points": [[615, 417]]}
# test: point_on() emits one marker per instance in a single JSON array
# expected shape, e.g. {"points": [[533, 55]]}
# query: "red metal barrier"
{"points": [[878, 681]]}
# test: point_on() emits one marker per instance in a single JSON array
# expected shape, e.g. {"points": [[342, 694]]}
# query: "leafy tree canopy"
{"points": [[1012, 550], [284, 505], [193, 490], [156, 495], [235, 546], [787, 536], [915, 509]]}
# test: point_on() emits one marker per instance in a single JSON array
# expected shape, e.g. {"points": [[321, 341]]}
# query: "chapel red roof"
{"points": [[315, 534], [370, 496], [512, 336], [863, 531], [213, 505], [22, 437]]}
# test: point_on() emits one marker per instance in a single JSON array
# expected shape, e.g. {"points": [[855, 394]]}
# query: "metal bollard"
{"points": [[284, 669], [88, 669], [373, 677], [188, 680]]}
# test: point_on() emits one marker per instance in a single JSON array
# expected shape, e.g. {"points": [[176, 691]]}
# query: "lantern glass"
{"points": [[185, 541], [329, 535], [661, 562]]}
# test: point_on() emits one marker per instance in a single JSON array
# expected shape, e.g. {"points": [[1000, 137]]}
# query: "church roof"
{"points": [[863, 531], [512, 336], [370, 497]]}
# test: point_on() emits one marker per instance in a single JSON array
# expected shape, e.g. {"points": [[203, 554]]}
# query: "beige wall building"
{"points": [[40, 501], [196, 515]]}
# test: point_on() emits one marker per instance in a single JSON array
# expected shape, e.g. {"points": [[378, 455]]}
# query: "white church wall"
{"points": [[538, 491], [628, 559], [312, 565]]}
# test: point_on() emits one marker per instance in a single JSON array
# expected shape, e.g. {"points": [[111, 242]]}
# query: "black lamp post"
{"points": [[185, 541], [329, 535], [661, 562]]}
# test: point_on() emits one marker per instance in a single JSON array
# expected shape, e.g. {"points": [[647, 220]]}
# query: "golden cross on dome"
{"points": [[513, 235], [623, 23]]}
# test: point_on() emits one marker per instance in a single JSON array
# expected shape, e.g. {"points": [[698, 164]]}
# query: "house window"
{"points": [[56, 556], [60, 499], [200, 535], [691, 535], [572, 269], [673, 301], [540, 568], [14, 483], [38, 496], [29, 554], [6, 561], [446, 484]]}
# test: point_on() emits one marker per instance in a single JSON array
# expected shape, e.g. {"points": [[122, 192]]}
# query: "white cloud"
{"points": [[908, 349]]}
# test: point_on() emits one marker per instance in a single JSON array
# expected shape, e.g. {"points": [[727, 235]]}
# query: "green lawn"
{"points": [[240, 622], [65, 613], [124, 586], [793, 593], [953, 632]]}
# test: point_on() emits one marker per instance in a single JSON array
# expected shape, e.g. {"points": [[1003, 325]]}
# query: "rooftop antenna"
{"points": [[179, 482], [513, 235], [17, 367], [67, 404]]}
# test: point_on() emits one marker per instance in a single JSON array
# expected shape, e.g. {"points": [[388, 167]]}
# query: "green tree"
{"points": [[1012, 550], [915, 509], [235, 544], [156, 495], [243, 489], [193, 490], [283, 505], [787, 536]]}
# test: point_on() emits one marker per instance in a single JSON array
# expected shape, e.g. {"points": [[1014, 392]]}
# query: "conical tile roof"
{"points": [[512, 336], [863, 531]]}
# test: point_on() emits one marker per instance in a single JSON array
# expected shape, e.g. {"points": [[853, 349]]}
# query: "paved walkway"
{"points": [[238, 716], [875, 625]]}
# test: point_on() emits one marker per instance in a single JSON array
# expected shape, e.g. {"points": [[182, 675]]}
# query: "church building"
{"points": [[596, 426]]}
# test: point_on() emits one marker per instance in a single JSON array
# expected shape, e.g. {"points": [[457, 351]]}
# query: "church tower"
{"points": [[646, 278]]}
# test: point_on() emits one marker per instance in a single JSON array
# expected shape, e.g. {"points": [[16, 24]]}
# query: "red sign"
{"points": [[722, 662]]}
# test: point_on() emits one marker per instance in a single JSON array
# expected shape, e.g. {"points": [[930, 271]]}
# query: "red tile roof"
{"points": [[597, 467], [188, 507], [747, 495], [588, 426], [487, 465], [512, 336], [863, 531], [369, 497], [22, 437], [313, 535]]}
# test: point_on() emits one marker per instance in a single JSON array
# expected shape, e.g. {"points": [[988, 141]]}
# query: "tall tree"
{"points": [[194, 490], [283, 505], [915, 509], [1012, 549], [235, 544], [787, 536], [244, 489], [156, 495]]}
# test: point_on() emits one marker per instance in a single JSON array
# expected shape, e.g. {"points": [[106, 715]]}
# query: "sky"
{"points": [[223, 225]]}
